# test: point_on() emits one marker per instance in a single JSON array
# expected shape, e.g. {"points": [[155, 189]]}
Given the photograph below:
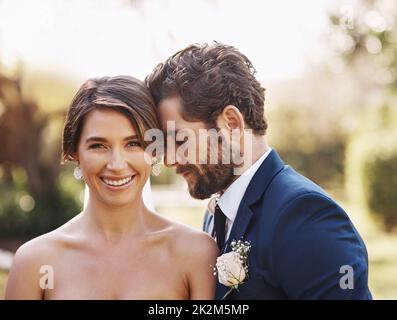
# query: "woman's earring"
{"points": [[156, 167], [77, 173]]}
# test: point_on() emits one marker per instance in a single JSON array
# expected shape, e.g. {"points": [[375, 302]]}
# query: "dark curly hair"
{"points": [[208, 78]]}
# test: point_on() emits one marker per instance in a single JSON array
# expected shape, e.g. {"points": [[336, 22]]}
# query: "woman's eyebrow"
{"points": [[101, 139], [131, 137]]}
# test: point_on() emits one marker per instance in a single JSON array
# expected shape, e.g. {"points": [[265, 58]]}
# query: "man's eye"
{"points": [[96, 146]]}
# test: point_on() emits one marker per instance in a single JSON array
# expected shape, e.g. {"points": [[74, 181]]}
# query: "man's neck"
{"points": [[259, 147]]}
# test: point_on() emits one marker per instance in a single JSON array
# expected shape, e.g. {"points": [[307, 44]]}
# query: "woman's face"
{"points": [[111, 158]]}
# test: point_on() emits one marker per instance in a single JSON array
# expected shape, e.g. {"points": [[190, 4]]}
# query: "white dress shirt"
{"points": [[230, 200]]}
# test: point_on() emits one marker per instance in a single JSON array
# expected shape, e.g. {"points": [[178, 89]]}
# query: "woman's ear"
{"points": [[231, 118], [73, 157]]}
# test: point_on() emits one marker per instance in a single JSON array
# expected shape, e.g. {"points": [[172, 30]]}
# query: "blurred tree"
{"points": [[371, 165], [21, 133], [365, 36], [32, 201]]}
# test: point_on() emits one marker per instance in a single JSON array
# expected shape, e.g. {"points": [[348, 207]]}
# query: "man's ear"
{"points": [[231, 118]]}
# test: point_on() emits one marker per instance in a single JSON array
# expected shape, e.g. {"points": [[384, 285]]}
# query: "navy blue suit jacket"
{"points": [[300, 239]]}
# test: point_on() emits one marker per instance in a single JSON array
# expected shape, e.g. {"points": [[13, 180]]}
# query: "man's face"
{"points": [[189, 150]]}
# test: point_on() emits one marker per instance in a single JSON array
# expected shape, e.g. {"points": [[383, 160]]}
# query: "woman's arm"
{"points": [[200, 264], [24, 277]]}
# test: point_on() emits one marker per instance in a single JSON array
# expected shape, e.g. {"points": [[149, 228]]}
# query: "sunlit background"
{"points": [[330, 72]]}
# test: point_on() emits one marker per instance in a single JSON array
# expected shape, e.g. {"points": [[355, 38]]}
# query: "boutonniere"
{"points": [[232, 267]]}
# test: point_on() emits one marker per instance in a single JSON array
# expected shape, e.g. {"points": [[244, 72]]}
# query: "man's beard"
{"points": [[208, 179]]}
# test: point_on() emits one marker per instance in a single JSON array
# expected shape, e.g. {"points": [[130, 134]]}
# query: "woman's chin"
{"points": [[120, 198], [123, 201], [117, 196]]}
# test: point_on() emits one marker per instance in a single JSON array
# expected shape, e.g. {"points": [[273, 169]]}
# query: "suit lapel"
{"points": [[270, 167], [242, 221], [256, 188]]}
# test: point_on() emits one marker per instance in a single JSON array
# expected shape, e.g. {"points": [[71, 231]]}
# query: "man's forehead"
{"points": [[172, 121]]}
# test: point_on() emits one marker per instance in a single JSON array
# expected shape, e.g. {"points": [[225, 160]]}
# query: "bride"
{"points": [[116, 248]]}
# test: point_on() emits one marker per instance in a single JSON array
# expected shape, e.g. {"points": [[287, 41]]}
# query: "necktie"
{"points": [[219, 224]]}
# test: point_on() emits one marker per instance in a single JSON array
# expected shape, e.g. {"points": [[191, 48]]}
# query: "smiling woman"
{"points": [[103, 156], [116, 248]]}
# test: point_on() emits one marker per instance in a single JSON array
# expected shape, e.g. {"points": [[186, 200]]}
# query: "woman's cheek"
{"points": [[92, 163]]}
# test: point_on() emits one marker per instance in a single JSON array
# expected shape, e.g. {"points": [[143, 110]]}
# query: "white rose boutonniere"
{"points": [[232, 267]]}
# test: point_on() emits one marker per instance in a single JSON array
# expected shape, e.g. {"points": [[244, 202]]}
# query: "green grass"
{"points": [[382, 254], [3, 282]]}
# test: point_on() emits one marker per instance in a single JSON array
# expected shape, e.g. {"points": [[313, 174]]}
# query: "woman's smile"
{"points": [[117, 183]]}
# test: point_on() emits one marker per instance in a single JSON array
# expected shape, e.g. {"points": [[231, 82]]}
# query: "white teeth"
{"points": [[117, 182]]}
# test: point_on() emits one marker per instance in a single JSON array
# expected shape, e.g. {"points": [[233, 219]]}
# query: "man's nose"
{"points": [[169, 158]]}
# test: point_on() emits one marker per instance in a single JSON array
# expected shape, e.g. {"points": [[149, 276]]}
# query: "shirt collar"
{"points": [[231, 198]]}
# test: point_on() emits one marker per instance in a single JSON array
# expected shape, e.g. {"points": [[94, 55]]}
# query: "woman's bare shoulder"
{"points": [[186, 240], [193, 242], [196, 254], [47, 246], [31, 260]]}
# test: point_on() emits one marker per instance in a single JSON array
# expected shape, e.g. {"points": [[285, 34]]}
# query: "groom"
{"points": [[303, 244]]}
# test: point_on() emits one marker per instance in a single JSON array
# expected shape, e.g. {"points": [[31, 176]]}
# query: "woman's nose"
{"points": [[117, 161]]}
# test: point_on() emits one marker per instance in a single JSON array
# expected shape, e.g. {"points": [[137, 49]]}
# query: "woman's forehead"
{"points": [[107, 122]]}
